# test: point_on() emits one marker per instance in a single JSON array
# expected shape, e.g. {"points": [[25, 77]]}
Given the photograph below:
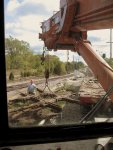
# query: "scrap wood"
{"points": [[23, 94], [48, 116], [32, 106], [19, 114], [52, 95], [28, 97], [68, 100], [53, 105]]}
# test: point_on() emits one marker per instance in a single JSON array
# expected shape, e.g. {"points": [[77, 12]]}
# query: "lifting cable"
{"points": [[92, 112], [47, 68], [43, 56], [46, 82]]}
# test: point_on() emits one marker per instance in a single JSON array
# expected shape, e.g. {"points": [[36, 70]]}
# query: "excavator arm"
{"points": [[67, 29]]}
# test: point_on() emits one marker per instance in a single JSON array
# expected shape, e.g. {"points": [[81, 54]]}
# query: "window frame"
{"points": [[38, 135]]}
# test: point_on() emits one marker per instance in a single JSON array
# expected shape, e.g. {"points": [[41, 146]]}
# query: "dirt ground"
{"points": [[70, 114], [23, 112]]}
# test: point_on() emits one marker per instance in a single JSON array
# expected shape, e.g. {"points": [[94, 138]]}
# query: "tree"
{"points": [[80, 65], [19, 56], [109, 61], [59, 68], [104, 55], [69, 67], [17, 53]]}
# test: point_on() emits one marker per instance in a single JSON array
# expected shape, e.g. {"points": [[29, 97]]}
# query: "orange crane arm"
{"points": [[102, 71], [67, 30]]}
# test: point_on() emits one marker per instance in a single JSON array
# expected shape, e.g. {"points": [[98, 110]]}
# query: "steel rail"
{"points": [[24, 85]]}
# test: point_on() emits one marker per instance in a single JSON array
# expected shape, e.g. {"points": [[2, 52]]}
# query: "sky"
{"points": [[23, 20]]}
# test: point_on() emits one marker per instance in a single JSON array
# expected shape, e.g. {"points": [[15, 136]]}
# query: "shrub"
{"points": [[22, 74], [11, 76]]}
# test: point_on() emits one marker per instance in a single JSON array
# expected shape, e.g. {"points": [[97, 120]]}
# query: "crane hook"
{"points": [[43, 56]]}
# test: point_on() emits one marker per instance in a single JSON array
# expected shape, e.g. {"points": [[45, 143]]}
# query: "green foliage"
{"points": [[59, 68], [71, 66], [55, 65], [79, 65], [104, 55], [109, 61], [63, 68], [25, 74], [31, 73], [18, 53], [20, 57]]}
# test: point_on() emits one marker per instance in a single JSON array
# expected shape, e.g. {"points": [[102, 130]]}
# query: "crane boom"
{"points": [[67, 30]]}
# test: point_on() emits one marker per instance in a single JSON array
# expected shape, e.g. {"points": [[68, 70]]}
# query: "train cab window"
{"points": [[50, 96], [66, 101]]}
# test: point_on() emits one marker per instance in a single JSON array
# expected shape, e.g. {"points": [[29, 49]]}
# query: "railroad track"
{"points": [[18, 86]]}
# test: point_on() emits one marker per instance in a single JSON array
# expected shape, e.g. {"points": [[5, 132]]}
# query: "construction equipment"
{"points": [[67, 30]]}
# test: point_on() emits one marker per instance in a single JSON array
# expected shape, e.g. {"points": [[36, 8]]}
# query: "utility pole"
{"points": [[67, 69], [73, 59], [110, 43], [67, 55], [73, 63]]}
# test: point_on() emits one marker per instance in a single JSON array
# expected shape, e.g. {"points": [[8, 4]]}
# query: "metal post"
{"points": [[67, 61], [110, 43]]}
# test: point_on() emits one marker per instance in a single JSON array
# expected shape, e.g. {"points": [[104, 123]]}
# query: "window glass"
{"points": [[47, 88]]}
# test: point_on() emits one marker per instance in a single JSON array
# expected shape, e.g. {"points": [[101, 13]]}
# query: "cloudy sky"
{"points": [[23, 19]]}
